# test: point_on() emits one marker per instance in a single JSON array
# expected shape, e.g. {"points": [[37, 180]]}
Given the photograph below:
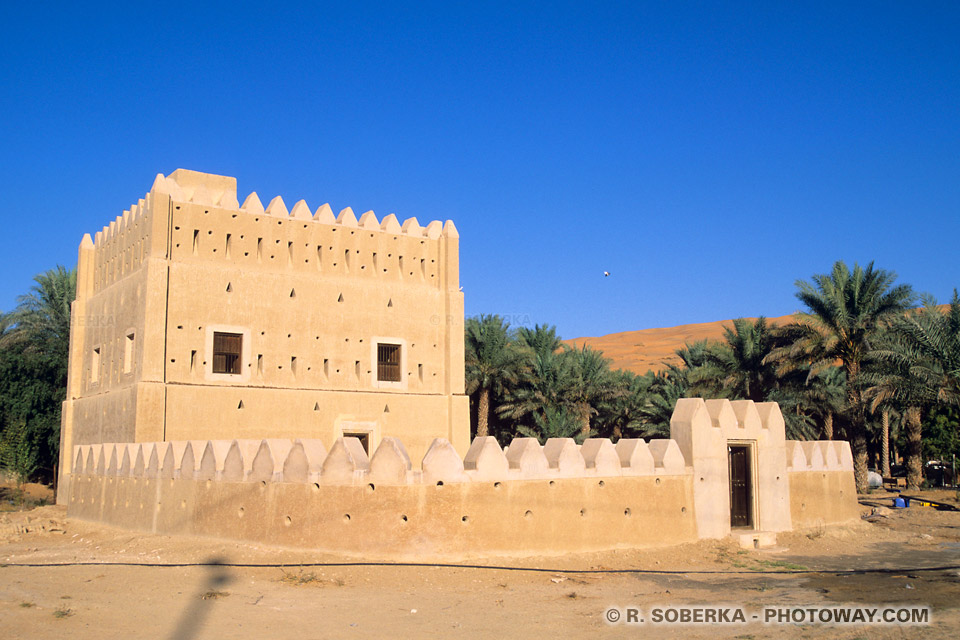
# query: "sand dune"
{"points": [[640, 351]]}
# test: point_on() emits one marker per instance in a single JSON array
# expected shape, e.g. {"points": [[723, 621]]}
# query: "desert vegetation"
{"points": [[862, 362], [34, 344]]}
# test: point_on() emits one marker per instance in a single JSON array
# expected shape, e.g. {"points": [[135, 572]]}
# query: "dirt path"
{"points": [[906, 558]]}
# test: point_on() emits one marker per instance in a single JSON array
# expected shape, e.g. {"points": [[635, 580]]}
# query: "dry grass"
{"points": [[301, 578]]}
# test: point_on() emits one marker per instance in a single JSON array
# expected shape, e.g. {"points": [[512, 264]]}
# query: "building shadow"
{"points": [[193, 617]]}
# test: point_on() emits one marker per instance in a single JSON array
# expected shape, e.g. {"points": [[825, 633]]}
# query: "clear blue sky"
{"points": [[707, 156]]}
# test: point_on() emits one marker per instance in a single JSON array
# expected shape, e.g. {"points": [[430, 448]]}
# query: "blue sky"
{"points": [[706, 154]]}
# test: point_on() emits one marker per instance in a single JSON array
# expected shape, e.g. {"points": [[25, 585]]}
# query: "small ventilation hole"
{"points": [[229, 287], [390, 302], [240, 406], [293, 293], [316, 407], [386, 408], [340, 298]]}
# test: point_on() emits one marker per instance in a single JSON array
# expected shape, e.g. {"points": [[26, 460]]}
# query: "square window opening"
{"points": [[388, 362], [362, 436], [227, 349]]}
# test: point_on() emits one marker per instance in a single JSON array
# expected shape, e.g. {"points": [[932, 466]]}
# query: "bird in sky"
{"points": [[606, 274]]}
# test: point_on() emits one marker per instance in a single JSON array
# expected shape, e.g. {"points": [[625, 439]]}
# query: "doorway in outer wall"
{"points": [[740, 462], [362, 436]]}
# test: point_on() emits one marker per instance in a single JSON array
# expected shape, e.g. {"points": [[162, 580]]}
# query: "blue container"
{"points": [[899, 503]]}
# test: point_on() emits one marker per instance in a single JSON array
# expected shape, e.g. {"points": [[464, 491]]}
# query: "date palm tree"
{"points": [[542, 339], [588, 383], [621, 415], [543, 380], [918, 366], [494, 362], [740, 359], [665, 390], [697, 373], [41, 320], [553, 422], [845, 311]]}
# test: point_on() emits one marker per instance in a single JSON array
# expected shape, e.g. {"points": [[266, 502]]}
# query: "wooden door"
{"points": [[741, 494]]}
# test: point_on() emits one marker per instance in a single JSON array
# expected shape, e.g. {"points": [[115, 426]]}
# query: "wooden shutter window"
{"points": [[227, 349], [388, 362]]}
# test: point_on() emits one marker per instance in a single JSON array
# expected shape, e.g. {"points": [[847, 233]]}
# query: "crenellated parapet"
{"points": [[191, 187], [121, 246], [528, 497], [118, 249], [214, 226], [824, 455], [346, 462]]}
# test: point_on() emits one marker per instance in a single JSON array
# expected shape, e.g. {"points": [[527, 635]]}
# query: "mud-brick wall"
{"points": [[822, 497], [457, 520]]}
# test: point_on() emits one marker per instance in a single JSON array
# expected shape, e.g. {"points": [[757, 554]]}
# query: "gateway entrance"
{"points": [[741, 486]]}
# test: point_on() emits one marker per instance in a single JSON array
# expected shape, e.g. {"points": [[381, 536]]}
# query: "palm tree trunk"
{"points": [[828, 425], [858, 427], [483, 413], [914, 474], [585, 421], [858, 442], [885, 443]]}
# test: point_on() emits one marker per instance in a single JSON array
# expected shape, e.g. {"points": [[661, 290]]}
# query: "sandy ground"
{"points": [[62, 577]]}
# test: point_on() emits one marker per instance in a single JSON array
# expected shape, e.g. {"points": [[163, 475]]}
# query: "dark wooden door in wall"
{"points": [[741, 494]]}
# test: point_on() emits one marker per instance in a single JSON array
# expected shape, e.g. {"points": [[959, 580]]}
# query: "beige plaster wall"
{"points": [[539, 517], [819, 498], [296, 494], [209, 413], [312, 294], [822, 489]]}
